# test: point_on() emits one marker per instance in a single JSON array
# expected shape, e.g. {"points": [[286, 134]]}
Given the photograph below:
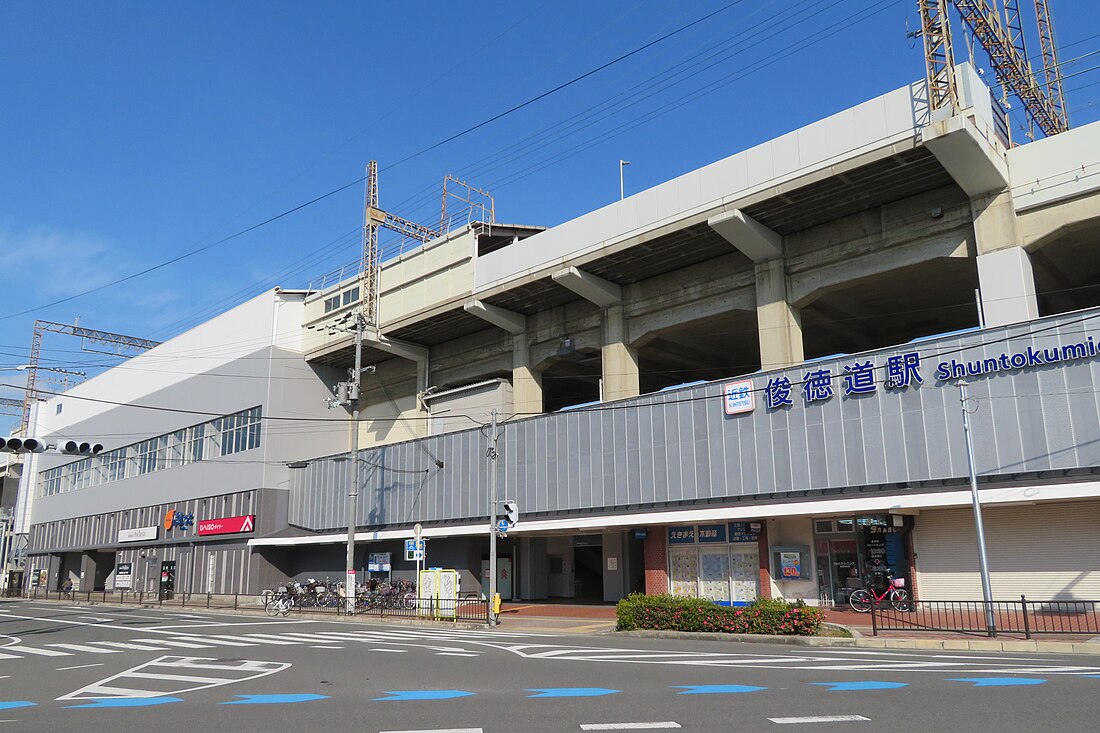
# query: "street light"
{"points": [[622, 164], [983, 560]]}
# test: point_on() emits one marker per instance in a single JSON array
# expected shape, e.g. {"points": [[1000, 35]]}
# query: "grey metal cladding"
{"points": [[680, 446]]}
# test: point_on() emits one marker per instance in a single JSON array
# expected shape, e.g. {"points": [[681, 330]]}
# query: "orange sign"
{"points": [[168, 517]]}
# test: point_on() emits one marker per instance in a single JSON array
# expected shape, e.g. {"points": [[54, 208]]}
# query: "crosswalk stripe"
{"points": [[630, 726], [86, 648], [270, 639], [180, 644], [125, 645], [820, 719], [225, 642], [9, 656], [173, 677], [39, 652]]}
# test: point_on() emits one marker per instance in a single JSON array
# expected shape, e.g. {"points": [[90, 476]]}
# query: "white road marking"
{"points": [[267, 639], [663, 724], [86, 648], [229, 641], [457, 654], [392, 651], [437, 730], [821, 719], [39, 652], [10, 656], [326, 647], [181, 644], [98, 619], [125, 645], [185, 670], [80, 666]]}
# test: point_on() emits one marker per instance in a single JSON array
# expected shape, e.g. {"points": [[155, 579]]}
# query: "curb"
{"points": [[862, 642], [744, 638], [306, 615]]}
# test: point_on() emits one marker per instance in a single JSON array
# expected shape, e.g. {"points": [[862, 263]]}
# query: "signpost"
{"points": [[419, 546], [124, 576]]}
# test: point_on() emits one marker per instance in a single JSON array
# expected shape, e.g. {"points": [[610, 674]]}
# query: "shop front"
{"points": [[856, 552], [716, 561]]}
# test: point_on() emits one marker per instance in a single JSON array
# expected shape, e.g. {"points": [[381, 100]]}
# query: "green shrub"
{"points": [[674, 613]]}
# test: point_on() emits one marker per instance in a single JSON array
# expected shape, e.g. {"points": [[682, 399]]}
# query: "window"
{"points": [[351, 296], [238, 432], [51, 481], [332, 303], [220, 437]]}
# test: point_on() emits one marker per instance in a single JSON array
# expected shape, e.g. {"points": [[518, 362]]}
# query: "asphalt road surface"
{"points": [[120, 669]]}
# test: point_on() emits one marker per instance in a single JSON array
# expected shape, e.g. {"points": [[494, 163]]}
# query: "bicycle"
{"points": [[279, 604], [895, 592]]}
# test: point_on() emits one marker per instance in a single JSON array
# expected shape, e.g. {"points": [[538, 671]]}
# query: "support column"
{"points": [[764, 552], [526, 382], [779, 322], [1005, 278], [620, 361], [655, 551]]}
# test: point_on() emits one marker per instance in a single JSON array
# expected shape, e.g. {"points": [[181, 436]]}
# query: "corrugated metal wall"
{"points": [[101, 530], [681, 446], [1047, 552]]}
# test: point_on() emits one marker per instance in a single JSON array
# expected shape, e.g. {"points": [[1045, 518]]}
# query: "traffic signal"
{"points": [[73, 448], [511, 511], [21, 445]]}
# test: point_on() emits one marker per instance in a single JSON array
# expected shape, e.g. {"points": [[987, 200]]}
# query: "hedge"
{"points": [[675, 613]]}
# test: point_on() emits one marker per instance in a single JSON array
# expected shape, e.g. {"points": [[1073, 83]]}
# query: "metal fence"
{"points": [[469, 610], [1024, 616]]}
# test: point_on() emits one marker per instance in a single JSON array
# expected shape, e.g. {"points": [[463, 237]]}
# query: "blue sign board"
{"points": [[712, 533], [681, 535]]}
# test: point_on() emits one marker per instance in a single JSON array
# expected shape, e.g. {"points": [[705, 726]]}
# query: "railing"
{"points": [[1009, 617], [470, 609]]}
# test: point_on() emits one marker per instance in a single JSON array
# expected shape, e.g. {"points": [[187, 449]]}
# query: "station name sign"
{"points": [[227, 525], [900, 371]]}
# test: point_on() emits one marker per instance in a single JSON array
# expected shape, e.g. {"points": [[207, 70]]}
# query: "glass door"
{"points": [[683, 571], [714, 573], [745, 573]]}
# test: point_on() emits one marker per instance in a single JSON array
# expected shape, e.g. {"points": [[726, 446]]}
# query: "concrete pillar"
{"points": [[620, 361], [764, 551], [614, 554], [779, 323], [1005, 278], [655, 552], [526, 382]]}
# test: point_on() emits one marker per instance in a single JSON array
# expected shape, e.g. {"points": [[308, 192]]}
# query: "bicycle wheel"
{"points": [[265, 597], [860, 600], [284, 606], [899, 599], [271, 608]]}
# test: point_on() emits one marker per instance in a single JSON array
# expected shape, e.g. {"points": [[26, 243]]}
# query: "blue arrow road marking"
{"points": [[127, 702], [998, 681], [572, 692], [424, 694], [861, 685], [10, 704], [715, 689], [273, 699]]}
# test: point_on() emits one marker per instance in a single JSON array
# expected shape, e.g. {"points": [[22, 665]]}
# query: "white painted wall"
{"points": [[1055, 168]]}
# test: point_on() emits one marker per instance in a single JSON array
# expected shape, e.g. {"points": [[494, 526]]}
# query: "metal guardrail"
{"points": [[470, 609], [1024, 616]]}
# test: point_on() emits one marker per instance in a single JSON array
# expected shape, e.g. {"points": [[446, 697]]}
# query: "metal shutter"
{"points": [[1046, 551]]}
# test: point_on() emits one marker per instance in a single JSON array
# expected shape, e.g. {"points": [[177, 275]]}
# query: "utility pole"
{"points": [[353, 467], [983, 561], [492, 454]]}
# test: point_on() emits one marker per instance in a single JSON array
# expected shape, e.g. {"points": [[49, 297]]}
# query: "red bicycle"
{"points": [[895, 593]]}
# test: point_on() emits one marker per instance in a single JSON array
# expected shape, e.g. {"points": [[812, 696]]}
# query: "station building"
{"points": [[743, 382]]}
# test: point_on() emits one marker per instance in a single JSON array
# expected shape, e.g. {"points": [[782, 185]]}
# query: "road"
{"points": [[122, 669]]}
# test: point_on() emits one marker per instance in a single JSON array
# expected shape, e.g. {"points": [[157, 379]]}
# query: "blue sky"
{"points": [[131, 132]]}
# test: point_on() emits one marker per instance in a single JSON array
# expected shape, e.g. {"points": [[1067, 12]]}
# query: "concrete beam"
{"points": [[975, 164], [592, 288], [397, 347], [753, 239], [510, 321]]}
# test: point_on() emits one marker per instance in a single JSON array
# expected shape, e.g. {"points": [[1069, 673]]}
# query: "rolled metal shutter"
{"points": [[1045, 551]]}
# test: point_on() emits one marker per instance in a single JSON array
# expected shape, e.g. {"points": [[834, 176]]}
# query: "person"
{"points": [[67, 587]]}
